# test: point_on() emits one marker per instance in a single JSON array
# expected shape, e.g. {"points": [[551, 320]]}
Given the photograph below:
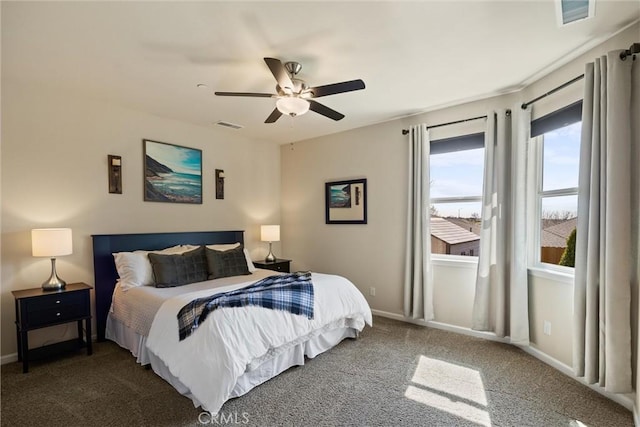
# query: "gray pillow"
{"points": [[226, 263], [179, 269]]}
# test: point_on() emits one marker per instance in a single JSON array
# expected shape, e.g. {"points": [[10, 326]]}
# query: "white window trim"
{"points": [[461, 261], [461, 199], [569, 191], [565, 275]]}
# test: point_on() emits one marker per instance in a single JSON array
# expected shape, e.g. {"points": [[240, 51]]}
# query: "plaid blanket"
{"points": [[289, 292]]}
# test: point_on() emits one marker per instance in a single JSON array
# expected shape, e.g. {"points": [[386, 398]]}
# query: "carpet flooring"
{"points": [[395, 374]]}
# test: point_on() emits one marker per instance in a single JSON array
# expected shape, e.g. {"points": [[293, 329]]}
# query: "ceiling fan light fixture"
{"points": [[292, 106]]}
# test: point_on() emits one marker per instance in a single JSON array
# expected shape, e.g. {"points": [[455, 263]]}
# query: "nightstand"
{"points": [[281, 265], [37, 308]]}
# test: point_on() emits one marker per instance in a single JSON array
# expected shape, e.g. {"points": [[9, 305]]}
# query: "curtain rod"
{"points": [[633, 49], [406, 131], [552, 91]]}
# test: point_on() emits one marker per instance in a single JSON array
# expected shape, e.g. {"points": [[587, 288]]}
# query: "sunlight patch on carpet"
{"points": [[576, 423], [452, 388]]}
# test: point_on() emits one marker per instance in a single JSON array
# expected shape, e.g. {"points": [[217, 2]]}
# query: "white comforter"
{"points": [[233, 340]]}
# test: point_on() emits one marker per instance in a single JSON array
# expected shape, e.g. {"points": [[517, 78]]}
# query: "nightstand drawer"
{"points": [[54, 315], [55, 301], [281, 265]]}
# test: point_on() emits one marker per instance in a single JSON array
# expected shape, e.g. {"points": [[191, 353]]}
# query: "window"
{"points": [[456, 173], [555, 155]]}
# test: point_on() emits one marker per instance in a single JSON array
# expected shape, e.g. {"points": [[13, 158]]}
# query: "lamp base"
{"points": [[270, 257], [53, 283], [54, 286]]}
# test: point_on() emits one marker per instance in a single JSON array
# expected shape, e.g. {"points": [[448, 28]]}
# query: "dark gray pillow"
{"points": [[226, 263], [179, 269]]}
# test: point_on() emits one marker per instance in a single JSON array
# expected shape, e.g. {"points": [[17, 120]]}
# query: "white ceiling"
{"points": [[413, 56]]}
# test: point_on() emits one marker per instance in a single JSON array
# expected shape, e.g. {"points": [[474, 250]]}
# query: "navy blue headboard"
{"points": [[104, 268]]}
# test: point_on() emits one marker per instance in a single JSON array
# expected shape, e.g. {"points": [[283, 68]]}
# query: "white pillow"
{"points": [[134, 268], [250, 265]]}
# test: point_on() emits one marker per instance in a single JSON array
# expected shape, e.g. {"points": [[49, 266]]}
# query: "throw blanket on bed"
{"points": [[290, 292]]}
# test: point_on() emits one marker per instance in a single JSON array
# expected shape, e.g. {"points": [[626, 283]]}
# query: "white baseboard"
{"points": [[626, 400], [443, 326], [9, 358]]}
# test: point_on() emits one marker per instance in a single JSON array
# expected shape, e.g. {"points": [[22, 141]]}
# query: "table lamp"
{"points": [[52, 242], [270, 233]]}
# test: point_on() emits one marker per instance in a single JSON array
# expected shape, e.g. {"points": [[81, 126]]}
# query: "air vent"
{"points": [[569, 11], [229, 125]]}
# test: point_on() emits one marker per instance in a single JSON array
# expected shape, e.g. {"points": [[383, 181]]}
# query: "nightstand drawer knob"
{"points": [[58, 314], [57, 301]]}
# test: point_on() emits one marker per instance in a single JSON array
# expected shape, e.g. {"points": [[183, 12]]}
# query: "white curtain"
{"points": [[501, 299], [518, 280], [607, 238], [418, 277]]}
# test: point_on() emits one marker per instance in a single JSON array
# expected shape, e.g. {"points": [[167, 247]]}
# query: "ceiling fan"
{"points": [[294, 96]]}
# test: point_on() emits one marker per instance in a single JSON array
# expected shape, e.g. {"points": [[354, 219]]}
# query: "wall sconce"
{"points": [[115, 174], [219, 184]]}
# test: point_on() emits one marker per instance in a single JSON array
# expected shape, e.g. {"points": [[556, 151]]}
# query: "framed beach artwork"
{"points": [[346, 202], [172, 173]]}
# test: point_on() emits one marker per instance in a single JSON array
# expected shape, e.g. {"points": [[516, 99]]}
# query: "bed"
{"points": [[234, 349]]}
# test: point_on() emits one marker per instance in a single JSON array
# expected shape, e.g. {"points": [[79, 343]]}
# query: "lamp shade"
{"points": [[270, 233], [51, 242]]}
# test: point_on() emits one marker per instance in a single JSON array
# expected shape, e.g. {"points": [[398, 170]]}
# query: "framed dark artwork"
{"points": [[346, 202], [172, 173]]}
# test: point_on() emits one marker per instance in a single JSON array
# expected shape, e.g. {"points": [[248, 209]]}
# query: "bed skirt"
{"points": [[127, 338]]}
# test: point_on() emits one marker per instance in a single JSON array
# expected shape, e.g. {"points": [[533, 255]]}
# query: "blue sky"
{"points": [[460, 173], [457, 174], [561, 160], [179, 159], [561, 157]]}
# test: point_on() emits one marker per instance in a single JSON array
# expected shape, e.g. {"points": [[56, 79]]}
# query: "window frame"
{"points": [[536, 193], [457, 143]]}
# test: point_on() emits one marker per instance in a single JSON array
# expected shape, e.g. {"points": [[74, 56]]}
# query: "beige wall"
{"points": [[370, 255], [551, 300], [453, 291], [54, 174]]}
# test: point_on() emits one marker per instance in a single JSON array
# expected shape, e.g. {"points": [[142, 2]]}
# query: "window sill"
{"points": [[552, 274], [454, 261]]}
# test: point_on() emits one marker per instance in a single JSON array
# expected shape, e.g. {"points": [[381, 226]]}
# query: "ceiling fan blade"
{"points": [[280, 73], [335, 88], [275, 115], [324, 110], [250, 94]]}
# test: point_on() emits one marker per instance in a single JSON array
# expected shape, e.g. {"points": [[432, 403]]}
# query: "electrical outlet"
{"points": [[546, 328], [372, 292]]}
